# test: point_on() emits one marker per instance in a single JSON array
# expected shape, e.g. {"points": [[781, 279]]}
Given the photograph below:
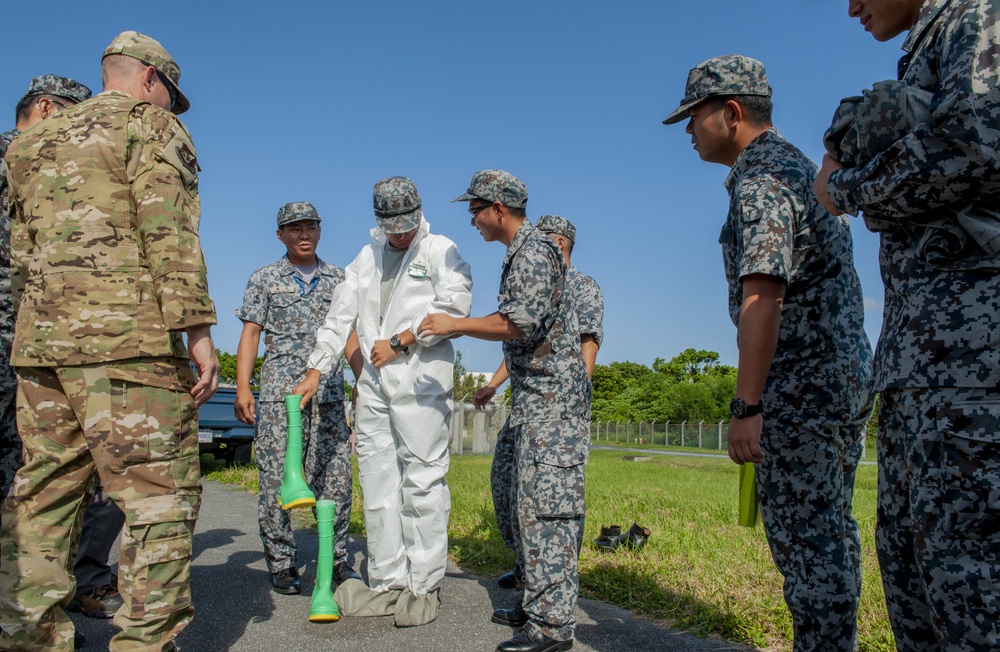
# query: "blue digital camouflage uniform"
{"points": [[816, 400], [290, 312], [550, 419], [588, 306], [10, 443], [938, 358], [104, 378]]}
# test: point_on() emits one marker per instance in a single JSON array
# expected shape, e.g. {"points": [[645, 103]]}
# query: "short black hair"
{"points": [[756, 108], [517, 212], [24, 107]]}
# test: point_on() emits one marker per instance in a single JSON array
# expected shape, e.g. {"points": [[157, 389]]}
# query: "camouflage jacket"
{"points": [[775, 227], [291, 311], [107, 263], [588, 303], [548, 378], [939, 327], [8, 383]]}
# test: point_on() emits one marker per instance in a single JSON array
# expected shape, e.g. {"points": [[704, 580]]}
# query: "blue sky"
{"points": [[316, 101]]}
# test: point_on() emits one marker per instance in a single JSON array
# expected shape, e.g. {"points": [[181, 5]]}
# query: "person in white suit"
{"points": [[404, 405]]}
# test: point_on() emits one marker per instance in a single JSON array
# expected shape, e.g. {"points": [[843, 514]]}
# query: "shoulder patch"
{"points": [[187, 157]]}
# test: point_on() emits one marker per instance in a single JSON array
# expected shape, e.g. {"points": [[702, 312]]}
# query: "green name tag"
{"points": [[416, 271]]}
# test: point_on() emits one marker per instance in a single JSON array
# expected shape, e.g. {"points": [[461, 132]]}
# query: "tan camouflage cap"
{"points": [[148, 50], [497, 185], [397, 205], [297, 211], [558, 225], [59, 87], [732, 74]]}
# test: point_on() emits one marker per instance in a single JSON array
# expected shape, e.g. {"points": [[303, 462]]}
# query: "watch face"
{"points": [[737, 408]]}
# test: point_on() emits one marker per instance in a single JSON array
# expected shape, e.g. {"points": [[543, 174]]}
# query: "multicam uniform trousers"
{"points": [[142, 440]]}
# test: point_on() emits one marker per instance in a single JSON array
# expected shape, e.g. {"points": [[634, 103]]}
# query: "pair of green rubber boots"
{"points": [[611, 538]]}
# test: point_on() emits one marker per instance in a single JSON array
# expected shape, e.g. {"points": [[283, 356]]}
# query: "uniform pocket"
{"points": [[970, 475]]}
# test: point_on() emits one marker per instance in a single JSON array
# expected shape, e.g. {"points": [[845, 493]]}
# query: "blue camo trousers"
{"points": [[938, 531], [551, 458], [806, 484], [326, 459]]}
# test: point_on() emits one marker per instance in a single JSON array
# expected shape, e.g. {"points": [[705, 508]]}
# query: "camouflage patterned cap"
{"points": [[729, 75], [397, 205], [148, 50], [558, 225], [59, 87], [297, 211], [497, 185]]}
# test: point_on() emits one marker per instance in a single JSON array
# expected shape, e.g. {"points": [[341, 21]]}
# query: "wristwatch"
{"points": [[397, 346], [740, 410]]}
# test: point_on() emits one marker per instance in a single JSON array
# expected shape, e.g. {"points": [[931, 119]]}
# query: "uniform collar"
{"points": [[522, 234], [749, 155], [286, 268], [925, 18]]}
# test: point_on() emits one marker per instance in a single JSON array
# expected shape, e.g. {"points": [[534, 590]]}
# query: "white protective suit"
{"points": [[404, 409]]}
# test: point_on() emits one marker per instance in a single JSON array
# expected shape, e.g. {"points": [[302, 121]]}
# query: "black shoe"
{"points": [[636, 537], [515, 617], [609, 539], [286, 582], [524, 643], [511, 580], [343, 572], [79, 640]]}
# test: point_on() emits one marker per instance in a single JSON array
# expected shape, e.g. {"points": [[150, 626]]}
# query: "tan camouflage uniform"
{"points": [[938, 358], [109, 271]]}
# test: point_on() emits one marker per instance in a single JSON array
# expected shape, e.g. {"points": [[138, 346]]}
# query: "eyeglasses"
{"points": [[165, 82], [475, 210]]}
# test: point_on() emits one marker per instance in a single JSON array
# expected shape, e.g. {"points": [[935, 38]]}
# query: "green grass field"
{"points": [[700, 571]]}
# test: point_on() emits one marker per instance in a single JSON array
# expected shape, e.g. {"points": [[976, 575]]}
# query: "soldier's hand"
{"points": [[382, 354], [437, 324], [483, 396], [202, 352], [308, 387], [245, 407], [744, 440], [820, 185]]}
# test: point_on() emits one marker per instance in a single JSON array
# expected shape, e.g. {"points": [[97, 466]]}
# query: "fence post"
{"points": [[617, 423], [720, 434], [699, 433], [666, 433], [652, 433], [683, 423]]}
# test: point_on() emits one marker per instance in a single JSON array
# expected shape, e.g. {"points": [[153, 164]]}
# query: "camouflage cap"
{"points": [[558, 225], [729, 75], [148, 50], [297, 211], [497, 185], [59, 87], [397, 205]]}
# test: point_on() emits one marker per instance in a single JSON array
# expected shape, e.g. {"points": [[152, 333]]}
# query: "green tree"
{"points": [[227, 370], [466, 384]]}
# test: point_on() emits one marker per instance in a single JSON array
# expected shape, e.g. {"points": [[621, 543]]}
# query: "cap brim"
{"points": [[681, 112], [466, 197]]}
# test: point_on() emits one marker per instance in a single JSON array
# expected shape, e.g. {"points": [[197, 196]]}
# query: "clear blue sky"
{"points": [[317, 101]]}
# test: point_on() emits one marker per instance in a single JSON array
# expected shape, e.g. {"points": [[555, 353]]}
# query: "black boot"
{"points": [[511, 580], [515, 617], [342, 572], [523, 642], [609, 539], [287, 581], [636, 537]]}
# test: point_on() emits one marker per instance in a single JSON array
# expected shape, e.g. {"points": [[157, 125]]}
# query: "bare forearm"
{"points": [[590, 348], [246, 355], [495, 327], [760, 323]]}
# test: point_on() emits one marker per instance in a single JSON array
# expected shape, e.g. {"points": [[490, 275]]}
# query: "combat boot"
{"points": [[636, 537], [609, 539]]}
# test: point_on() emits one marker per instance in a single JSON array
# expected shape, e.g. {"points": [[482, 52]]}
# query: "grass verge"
{"points": [[699, 571]]}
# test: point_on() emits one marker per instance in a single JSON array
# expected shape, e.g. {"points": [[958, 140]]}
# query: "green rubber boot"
{"points": [[294, 490], [322, 607]]}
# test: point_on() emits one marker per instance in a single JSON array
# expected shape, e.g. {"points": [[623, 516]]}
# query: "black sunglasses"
{"points": [[474, 212]]}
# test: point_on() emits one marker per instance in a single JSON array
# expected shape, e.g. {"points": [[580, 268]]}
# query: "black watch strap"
{"points": [[740, 410]]}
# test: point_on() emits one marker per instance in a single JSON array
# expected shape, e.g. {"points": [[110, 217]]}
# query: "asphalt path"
{"points": [[236, 609]]}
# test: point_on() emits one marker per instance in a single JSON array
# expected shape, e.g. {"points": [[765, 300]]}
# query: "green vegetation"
{"points": [[699, 572]]}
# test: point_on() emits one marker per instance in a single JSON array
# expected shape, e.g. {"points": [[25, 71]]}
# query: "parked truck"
{"points": [[220, 433]]}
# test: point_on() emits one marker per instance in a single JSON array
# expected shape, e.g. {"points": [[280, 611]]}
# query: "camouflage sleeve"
{"points": [[164, 173], [945, 161], [254, 308], [452, 291], [766, 213], [531, 282], [590, 309]]}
